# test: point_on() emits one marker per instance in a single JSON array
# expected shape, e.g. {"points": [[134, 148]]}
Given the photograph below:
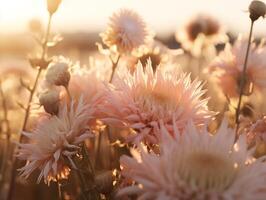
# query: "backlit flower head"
{"points": [[54, 142], [140, 100], [126, 31], [200, 32], [156, 52], [196, 165], [229, 65], [87, 83]]}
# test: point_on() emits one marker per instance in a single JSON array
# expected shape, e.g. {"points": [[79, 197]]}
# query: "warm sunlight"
{"points": [[132, 99], [14, 13], [87, 15]]}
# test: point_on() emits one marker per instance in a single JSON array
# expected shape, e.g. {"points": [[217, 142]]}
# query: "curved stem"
{"points": [[68, 93], [6, 131], [114, 68], [29, 102], [243, 78], [44, 52], [5, 111], [59, 188], [27, 112], [46, 39], [98, 150]]}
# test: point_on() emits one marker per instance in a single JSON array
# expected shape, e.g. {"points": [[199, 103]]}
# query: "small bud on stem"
{"points": [[58, 74], [257, 9], [50, 101], [52, 6]]}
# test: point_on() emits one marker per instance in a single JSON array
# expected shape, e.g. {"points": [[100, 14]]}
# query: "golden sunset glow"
{"points": [[87, 15], [97, 96]]}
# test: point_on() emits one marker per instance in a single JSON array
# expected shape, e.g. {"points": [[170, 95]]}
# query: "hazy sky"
{"points": [[161, 15]]}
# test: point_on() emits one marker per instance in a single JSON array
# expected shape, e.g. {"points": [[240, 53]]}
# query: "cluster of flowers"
{"points": [[163, 113]]}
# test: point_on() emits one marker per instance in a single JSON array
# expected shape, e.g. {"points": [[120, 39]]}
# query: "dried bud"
{"points": [[52, 6], [58, 74], [50, 101], [257, 9]]}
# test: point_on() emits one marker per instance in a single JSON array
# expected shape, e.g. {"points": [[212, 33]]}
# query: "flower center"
{"points": [[159, 99], [130, 26], [208, 171]]}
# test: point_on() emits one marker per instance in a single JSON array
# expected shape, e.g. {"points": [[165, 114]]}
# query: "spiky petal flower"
{"points": [[126, 31], [87, 83], [140, 100], [196, 165], [54, 141], [228, 67]]}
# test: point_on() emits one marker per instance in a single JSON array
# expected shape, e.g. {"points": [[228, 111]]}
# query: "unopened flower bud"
{"points": [[58, 74], [257, 9], [50, 101], [52, 6]]}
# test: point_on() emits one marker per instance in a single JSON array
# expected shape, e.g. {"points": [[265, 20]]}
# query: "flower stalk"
{"points": [[114, 66], [27, 111], [5, 113], [243, 78], [32, 91]]}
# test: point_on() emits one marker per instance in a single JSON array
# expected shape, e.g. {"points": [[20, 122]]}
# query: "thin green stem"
{"points": [[44, 53], [98, 151], [86, 181], [59, 187], [5, 112], [68, 93], [27, 112], [6, 131], [82, 184], [87, 157], [46, 39], [114, 68], [243, 79]]}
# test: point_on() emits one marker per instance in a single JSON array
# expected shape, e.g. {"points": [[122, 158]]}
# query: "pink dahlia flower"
{"points": [[140, 100], [196, 165], [87, 83], [54, 141], [200, 33], [126, 31], [230, 63]]}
